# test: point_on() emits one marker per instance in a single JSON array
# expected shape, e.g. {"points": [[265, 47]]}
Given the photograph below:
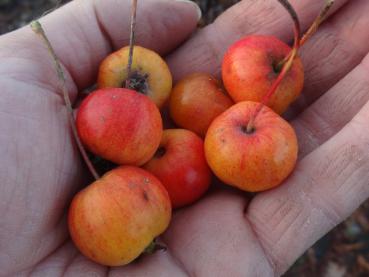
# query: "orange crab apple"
{"points": [[180, 165], [115, 218], [196, 100], [150, 74], [251, 66], [120, 125], [251, 160]]}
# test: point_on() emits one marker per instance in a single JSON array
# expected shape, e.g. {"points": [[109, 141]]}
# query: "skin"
{"points": [[120, 125], [255, 161], [41, 169], [146, 64], [196, 100], [106, 218], [181, 166], [248, 72]]}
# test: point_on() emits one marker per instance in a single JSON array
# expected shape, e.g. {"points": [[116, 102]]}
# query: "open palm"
{"points": [[225, 234]]}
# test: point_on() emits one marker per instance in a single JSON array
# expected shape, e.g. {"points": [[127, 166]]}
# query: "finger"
{"points": [[332, 111], [211, 238], [160, 263], [65, 261], [84, 32], [327, 186], [334, 51], [204, 51]]}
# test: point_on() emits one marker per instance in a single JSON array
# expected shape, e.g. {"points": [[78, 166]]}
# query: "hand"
{"points": [[224, 234]]}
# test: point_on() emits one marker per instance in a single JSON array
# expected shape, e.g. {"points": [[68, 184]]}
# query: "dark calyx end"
{"points": [[160, 152], [153, 247], [138, 81], [248, 130]]}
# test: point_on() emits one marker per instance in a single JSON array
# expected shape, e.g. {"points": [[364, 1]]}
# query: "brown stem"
{"points": [[313, 28], [297, 29], [285, 68], [131, 41], [37, 28]]}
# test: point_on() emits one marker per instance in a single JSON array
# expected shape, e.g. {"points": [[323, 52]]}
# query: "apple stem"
{"points": [[321, 17], [297, 29], [37, 28], [286, 66], [313, 28], [131, 41]]}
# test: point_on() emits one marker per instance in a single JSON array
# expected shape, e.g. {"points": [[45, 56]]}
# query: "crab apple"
{"points": [[120, 125], [180, 165], [254, 160], [196, 100], [251, 66], [115, 218], [150, 74]]}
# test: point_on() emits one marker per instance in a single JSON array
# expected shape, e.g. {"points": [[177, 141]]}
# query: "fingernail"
{"points": [[199, 13]]}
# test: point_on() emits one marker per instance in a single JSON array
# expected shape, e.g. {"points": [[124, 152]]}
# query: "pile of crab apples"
{"points": [[233, 131]]}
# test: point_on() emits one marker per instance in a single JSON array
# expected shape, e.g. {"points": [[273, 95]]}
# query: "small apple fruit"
{"points": [[115, 218], [196, 100], [252, 65], [251, 160], [150, 74], [120, 125], [180, 165]]}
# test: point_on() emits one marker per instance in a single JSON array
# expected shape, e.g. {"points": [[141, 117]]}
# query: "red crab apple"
{"points": [[251, 160], [180, 165], [120, 125], [115, 218], [196, 100], [251, 66]]}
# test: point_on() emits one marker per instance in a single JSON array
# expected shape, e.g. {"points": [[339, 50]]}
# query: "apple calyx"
{"points": [[137, 81], [153, 247]]}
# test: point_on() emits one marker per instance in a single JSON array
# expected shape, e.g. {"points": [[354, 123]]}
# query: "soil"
{"points": [[342, 252]]}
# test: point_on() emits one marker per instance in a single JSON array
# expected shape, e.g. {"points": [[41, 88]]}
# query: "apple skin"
{"points": [[248, 72], [120, 125], [181, 166], [196, 100], [255, 161], [115, 218], [146, 64]]}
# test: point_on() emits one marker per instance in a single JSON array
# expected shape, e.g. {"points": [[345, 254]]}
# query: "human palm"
{"points": [[227, 233]]}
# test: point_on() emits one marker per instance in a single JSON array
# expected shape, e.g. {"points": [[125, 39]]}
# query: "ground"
{"points": [[342, 252]]}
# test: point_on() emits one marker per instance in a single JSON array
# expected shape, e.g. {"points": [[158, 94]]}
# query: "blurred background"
{"points": [[344, 252]]}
